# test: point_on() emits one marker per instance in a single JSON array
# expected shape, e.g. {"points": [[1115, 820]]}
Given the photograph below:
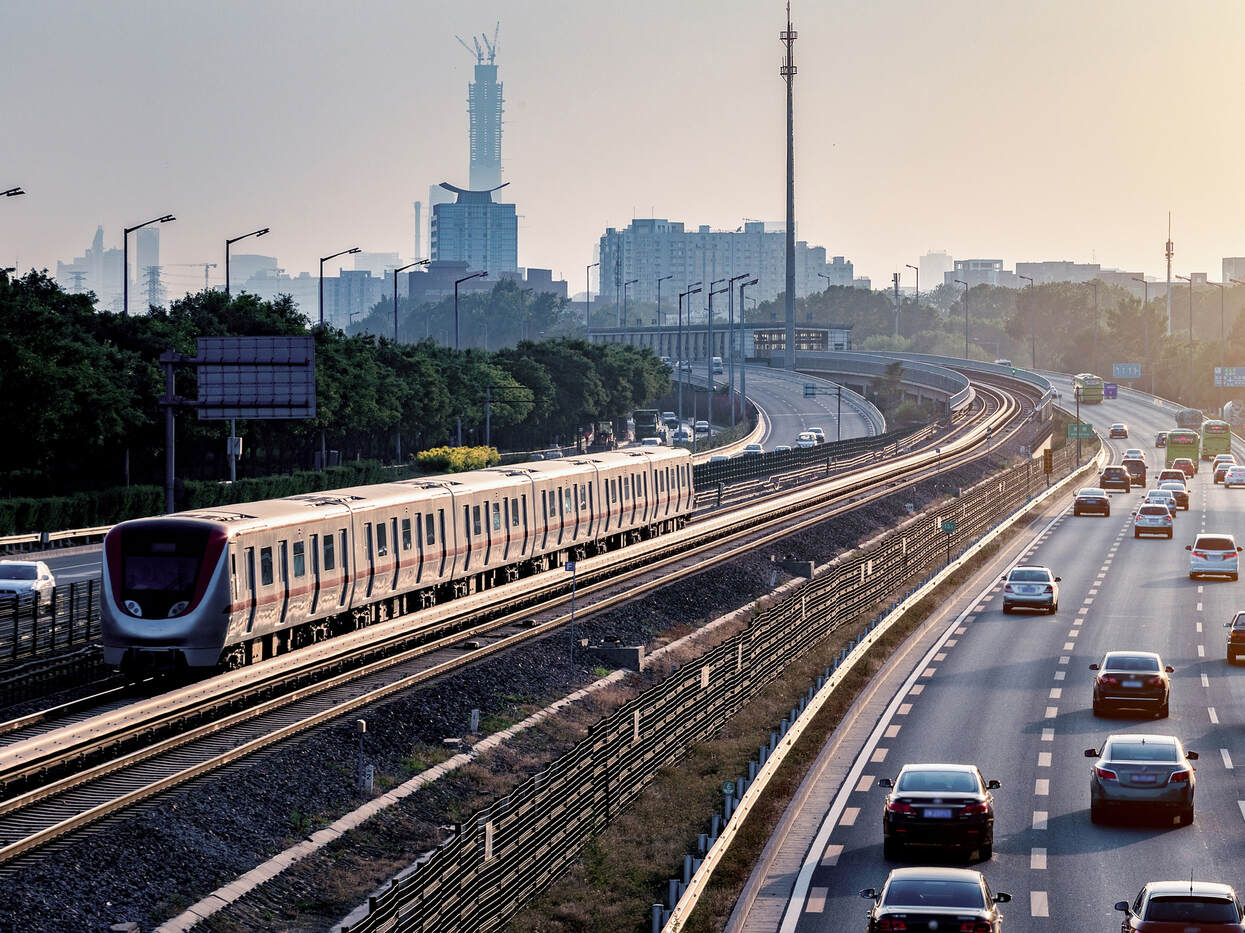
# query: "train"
{"points": [[225, 587]]}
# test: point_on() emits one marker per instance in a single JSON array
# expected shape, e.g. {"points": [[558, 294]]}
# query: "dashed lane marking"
{"points": [[1039, 819], [1037, 859], [891, 731], [1044, 757], [1227, 759], [1199, 605], [1060, 675], [904, 709], [1214, 717], [1199, 625], [917, 690], [849, 816], [941, 655], [1069, 646], [879, 755], [816, 899], [830, 857], [1241, 804], [1051, 712], [928, 672], [1205, 680], [1056, 693], [1201, 651], [951, 643], [1041, 787], [1064, 659], [865, 784], [961, 630]]}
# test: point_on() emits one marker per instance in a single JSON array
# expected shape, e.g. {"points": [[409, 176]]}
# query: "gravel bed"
{"points": [[147, 865]]}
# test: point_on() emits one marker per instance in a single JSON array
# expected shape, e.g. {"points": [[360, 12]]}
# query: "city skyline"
{"points": [[987, 132]]}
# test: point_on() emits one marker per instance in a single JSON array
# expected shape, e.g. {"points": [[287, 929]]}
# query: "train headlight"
{"points": [[178, 608], [133, 608]]}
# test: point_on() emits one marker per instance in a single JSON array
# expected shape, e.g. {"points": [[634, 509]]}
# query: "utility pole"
{"points": [[787, 71], [1169, 273]]}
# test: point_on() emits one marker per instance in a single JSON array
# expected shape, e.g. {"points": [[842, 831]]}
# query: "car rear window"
{"points": [[952, 782], [1188, 908], [1131, 662], [1177, 475], [1030, 576], [1092, 493], [1154, 510], [1126, 750], [1113, 471], [931, 893], [1214, 543]]}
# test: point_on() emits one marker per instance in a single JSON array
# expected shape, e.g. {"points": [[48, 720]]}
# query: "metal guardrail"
{"points": [[45, 540], [503, 855], [35, 628]]}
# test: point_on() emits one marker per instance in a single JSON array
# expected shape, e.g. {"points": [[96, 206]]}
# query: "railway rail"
{"points": [[59, 776]]}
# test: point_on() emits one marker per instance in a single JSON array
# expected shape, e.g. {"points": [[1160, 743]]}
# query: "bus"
{"points": [[1189, 418], [1089, 387], [1216, 439], [1182, 442]]}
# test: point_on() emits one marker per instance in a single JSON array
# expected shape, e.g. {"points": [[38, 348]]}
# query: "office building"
{"points": [[1233, 268], [476, 230], [934, 266], [97, 270], [975, 272]]}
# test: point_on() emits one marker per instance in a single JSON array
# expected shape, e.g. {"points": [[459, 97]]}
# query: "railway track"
{"points": [[62, 776]]}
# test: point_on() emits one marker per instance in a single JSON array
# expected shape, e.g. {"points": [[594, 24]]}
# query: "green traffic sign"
{"points": [[948, 526], [1081, 429]]}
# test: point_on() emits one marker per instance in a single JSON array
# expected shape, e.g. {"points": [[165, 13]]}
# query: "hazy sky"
{"points": [[1064, 129]]}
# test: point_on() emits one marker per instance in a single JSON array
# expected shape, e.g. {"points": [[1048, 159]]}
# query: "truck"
{"points": [[602, 437], [648, 423]]}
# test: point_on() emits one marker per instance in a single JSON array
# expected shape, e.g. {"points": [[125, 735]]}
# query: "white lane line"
{"points": [[904, 709], [1059, 675], [1205, 681], [1069, 646], [849, 816], [830, 857], [1201, 649], [865, 784], [941, 655], [929, 671], [1074, 634], [1041, 787], [959, 631], [918, 689], [1044, 757], [1214, 717], [1199, 605], [1038, 906], [1087, 601], [1093, 592], [1200, 586], [1241, 804], [879, 754], [1056, 693], [950, 643], [1227, 759], [1082, 611], [816, 896], [1199, 625], [1064, 659], [1037, 859], [1039, 819], [1051, 712], [891, 730]]}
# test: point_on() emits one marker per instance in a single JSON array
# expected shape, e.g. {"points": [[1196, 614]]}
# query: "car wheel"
{"points": [[987, 849], [1164, 710], [1192, 575], [1233, 576], [1169, 535], [1076, 511], [1053, 609], [1136, 533], [1097, 708], [1108, 514], [1096, 815], [1186, 816], [892, 849], [1007, 610]]}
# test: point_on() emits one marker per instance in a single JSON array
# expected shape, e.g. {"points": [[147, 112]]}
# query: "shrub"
{"points": [[457, 459]]}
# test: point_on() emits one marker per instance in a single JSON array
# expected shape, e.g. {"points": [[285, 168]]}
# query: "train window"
{"points": [[568, 499], [329, 562], [300, 559], [406, 534], [613, 485], [430, 529], [497, 516], [583, 496], [626, 490], [514, 513], [544, 499], [441, 518], [265, 566], [476, 527], [382, 540], [233, 575]]}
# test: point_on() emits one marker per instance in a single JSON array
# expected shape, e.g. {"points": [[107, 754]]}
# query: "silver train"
{"points": [[229, 586]]}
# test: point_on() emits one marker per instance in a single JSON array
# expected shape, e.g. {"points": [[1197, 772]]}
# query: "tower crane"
{"points": [[489, 48]]}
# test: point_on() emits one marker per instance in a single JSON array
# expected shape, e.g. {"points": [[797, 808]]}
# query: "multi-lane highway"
{"points": [[1011, 693], [780, 394]]}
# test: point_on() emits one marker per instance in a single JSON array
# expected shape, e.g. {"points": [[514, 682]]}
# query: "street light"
{"points": [[1220, 285], [229, 243], [412, 265], [743, 364], [458, 282], [917, 292], [659, 321], [827, 278], [353, 249], [588, 300], [12, 192], [626, 285], [1032, 325], [1145, 323], [1189, 279], [125, 257], [1093, 350], [693, 289], [965, 284], [709, 352], [730, 339]]}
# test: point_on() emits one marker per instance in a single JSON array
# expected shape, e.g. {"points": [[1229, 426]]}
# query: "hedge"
{"points": [[457, 459]]}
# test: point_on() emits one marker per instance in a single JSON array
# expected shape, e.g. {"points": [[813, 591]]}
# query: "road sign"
{"points": [[256, 377], [1231, 376], [1110, 390], [809, 390], [1126, 370], [570, 566], [948, 526], [1080, 429]]}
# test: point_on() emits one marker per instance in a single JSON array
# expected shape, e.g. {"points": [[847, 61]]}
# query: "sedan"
{"points": [[752, 450], [1179, 491], [1151, 520], [1119, 429], [1132, 680], [819, 434], [1186, 464], [1143, 771], [1031, 588], [1213, 553], [1183, 905], [25, 582], [1234, 476], [1161, 497], [938, 805], [681, 436], [1220, 468], [1160, 439], [1115, 477], [935, 899], [805, 440], [1134, 453], [1091, 501], [1236, 637], [701, 427]]}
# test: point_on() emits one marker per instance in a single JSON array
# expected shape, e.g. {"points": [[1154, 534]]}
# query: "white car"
{"points": [[681, 435], [752, 450], [1031, 588], [805, 440], [819, 434], [783, 449], [1152, 519], [651, 442], [1213, 553], [1161, 497], [702, 427], [1134, 453], [1234, 477], [25, 581]]}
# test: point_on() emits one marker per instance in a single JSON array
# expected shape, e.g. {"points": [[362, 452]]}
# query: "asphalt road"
{"points": [[780, 394], [1012, 694]]}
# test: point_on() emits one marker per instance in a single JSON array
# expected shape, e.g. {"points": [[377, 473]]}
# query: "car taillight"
{"points": [[1008, 588], [1106, 774], [889, 924], [976, 809], [1168, 519], [976, 926], [1201, 554], [1154, 682], [899, 806], [1108, 680], [1180, 777], [1048, 588]]}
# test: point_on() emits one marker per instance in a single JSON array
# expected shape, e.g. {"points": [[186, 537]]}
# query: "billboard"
{"points": [[1126, 370], [1232, 376], [256, 377]]}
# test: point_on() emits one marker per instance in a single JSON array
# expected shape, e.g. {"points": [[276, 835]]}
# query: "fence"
{"points": [[478, 878], [68, 619]]}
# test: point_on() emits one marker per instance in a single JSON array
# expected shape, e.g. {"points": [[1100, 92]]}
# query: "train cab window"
{"points": [[329, 559], [406, 534], [265, 566], [300, 559], [497, 516], [476, 527], [382, 540], [430, 530]]}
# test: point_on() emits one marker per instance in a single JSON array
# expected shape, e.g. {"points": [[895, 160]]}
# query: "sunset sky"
{"points": [[1019, 131]]}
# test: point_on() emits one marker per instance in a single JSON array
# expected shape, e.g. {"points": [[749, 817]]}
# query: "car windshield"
{"points": [[957, 782], [1030, 576], [1215, 544], [931, 893], [1128, 750], [1130, 662], [18, 572], [1188, 908]]}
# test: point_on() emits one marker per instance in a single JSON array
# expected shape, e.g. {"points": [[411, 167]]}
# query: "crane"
{"points": [[479, 52], [206, 267]]}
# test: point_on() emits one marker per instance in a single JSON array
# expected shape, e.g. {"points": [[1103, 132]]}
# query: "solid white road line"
{"points": [[1039, 819]]}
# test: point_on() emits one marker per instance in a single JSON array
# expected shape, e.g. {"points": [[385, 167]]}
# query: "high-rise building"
{"points": [[97, 270], [484, 107], [476, 230], [1233, 268], [933, 266], [975, 272]]}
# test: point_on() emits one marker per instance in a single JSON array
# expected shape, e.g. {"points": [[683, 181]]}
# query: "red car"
{"points": [[1183, 907], [1184, 463]]}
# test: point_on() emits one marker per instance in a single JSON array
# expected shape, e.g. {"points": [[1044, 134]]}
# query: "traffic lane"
{"points": [[781, 395], [980, 701], [71, 568]]}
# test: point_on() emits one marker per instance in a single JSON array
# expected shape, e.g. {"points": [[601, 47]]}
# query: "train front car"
{"points": [[166, 598]]}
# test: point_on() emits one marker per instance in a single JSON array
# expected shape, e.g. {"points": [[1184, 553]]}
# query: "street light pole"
{"points": [[353, 249], [412, 265], [229, 243], [709, 353], [588, 300], [693, 289], [743, 363], [730, 339], [1220, 285], [1189, 279], [1093, 350], [465, 278], [965, 284], [660, 323], [1145, 326], [1032, 327], [125, 256], [916, 297], [626, 285]]}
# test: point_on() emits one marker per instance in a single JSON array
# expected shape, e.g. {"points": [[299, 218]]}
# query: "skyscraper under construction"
{"points": [[484, 103]]}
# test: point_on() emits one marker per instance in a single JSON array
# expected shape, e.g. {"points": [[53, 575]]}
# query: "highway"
{"points": [[1012, 694], [780, 394]]}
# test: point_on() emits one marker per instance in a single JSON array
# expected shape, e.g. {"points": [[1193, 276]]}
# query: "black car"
{"points": [[935, 899], [1115, 477], [1132, 680], [938, 805], [1091, 501], [1136, 469]]}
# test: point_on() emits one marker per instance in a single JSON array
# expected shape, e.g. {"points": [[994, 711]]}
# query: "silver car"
{"points": [[25, 581], [1031, 588], [1142, 771], [1152, 519]]}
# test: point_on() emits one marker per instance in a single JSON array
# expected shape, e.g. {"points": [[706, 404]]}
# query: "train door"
{"points": [[250, 589], [313, 545], [402, 549], [283, 580], [369, 557], [343, 556]]}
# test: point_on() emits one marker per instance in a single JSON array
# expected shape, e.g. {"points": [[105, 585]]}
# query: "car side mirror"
{"points": [[1227, 625], [1091, 753], [870, 893], [885, 782], [993, 785], [1188, 547], [1192, 756], [1057, 579], [1170, 669], [1093, 667], [1002, 898], [1238, 550], [1122, 905]]}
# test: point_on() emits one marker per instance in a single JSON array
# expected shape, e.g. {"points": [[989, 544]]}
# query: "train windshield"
{"points": [[159, 570]]}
